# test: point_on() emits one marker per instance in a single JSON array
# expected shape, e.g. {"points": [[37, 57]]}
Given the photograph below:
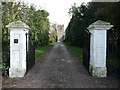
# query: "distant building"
{"points": [[60, 33]]}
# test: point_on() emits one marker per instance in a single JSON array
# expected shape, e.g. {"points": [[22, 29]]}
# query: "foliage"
{"points": [[36, 19]]}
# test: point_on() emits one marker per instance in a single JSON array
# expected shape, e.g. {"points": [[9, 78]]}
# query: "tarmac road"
{"points": [[59, 68]]}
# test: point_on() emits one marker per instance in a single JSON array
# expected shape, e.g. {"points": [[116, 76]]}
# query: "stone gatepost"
{"points": [[18, 48], [98, 47]]}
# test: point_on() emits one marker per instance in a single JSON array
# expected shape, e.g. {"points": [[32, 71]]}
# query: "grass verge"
{"points": [[76, 50], [41, 50]]}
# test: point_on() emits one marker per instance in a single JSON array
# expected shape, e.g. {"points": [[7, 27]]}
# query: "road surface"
{"points": [[58, 68]]}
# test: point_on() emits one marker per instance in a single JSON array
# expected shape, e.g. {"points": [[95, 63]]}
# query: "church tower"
{"points": [[60, 33]]}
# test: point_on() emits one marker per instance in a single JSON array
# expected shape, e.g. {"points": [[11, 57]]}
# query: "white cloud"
{"points": [[58, 9]]}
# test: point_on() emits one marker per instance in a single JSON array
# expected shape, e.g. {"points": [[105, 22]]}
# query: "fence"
{"points": [[113, 58], [31, 51], [86, 49]]}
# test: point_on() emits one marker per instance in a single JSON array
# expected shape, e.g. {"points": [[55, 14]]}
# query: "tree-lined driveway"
{"points": [[58, 68]]}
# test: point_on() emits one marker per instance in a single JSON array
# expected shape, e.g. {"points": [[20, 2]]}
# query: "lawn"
{"points": [[76, 50], [41, 50]]}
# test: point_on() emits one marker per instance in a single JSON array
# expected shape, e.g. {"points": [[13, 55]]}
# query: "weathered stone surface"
{"points": [[98, 71], [17, 72]]}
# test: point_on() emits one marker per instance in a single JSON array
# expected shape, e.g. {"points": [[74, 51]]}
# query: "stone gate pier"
{"points": [[18, 48], [98, 30]]}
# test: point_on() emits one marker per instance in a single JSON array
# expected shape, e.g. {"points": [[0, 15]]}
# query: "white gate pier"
{"points": [[18, 40], [98, 47]]}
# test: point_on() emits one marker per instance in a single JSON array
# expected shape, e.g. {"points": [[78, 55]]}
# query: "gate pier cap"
{"points": [[17, 24]]}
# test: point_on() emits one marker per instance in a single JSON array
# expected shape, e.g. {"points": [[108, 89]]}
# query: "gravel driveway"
{"points": [[58, 68]]}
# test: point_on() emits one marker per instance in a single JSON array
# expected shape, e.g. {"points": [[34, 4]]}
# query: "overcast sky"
{"points": [[58, 9]]}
